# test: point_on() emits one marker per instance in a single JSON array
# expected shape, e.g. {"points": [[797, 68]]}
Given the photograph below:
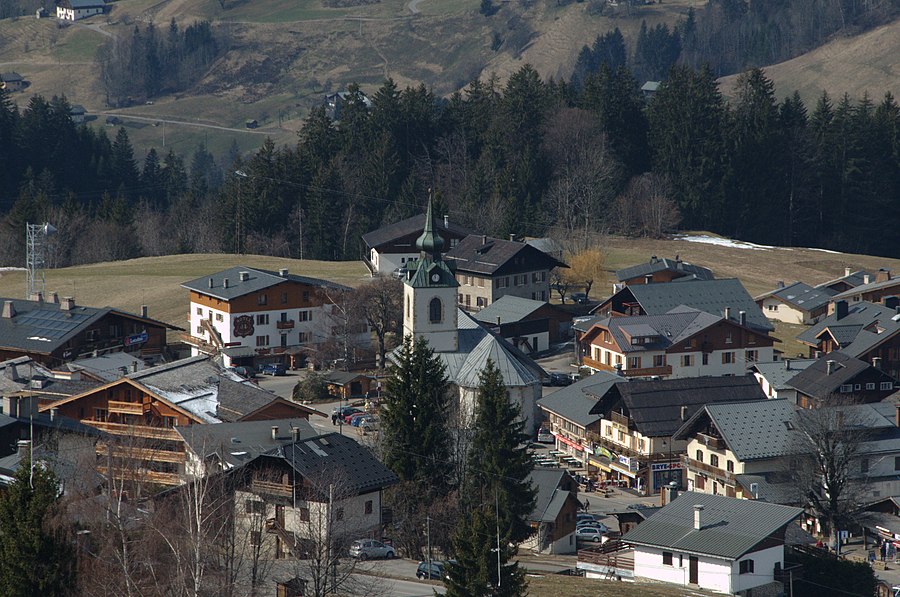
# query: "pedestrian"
{"points": [[334, 419], [587, 504]]}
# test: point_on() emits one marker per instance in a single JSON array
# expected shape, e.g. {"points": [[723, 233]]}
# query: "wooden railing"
{"points": [[711, 441], [134, 430], [274, 488], [620, 419], [126, 408], [144, 476], [285, 325], [713, 471], [613, 554], [141, 453], [638, 372]]}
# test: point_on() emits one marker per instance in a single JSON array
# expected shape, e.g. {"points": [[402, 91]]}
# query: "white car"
{"points": [[365, 549], [544, 436], [593, 534]]}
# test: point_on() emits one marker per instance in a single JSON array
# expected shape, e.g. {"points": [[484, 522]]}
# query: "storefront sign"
{"points": [[569, 442], [665, 466], [136, 339]]}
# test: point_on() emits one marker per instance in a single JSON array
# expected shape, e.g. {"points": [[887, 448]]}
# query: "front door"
{"points": [[694, 572]]}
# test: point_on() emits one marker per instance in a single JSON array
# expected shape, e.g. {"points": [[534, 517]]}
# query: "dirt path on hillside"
{"points": [[414, 6], [182, 122]]}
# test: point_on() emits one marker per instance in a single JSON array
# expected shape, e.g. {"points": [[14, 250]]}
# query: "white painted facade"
{"points": [[718, 363], [75, 14], [713, 574], [563, 545], [770, 391], [778, 310], [442, 334], [385, 263], [535, 342]]}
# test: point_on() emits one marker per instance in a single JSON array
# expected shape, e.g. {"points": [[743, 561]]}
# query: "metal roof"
{"points": [[257, 279], [730, 527], [574, 403], [549, 498], [774, 487], [777, 373], [862, 288], [485, 255], [801, 296], [658, 265], [815, 380], [711, 296], [412, 226], [853, 279], [668, 328], [508, 309], [860, 315]]}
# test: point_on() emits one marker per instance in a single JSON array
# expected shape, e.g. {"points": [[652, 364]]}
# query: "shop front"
{"points": [[571, 447], [662, 473]]}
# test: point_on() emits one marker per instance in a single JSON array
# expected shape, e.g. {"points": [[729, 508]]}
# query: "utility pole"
{"points": [[428, 535], [497, 520], [331, 555]]}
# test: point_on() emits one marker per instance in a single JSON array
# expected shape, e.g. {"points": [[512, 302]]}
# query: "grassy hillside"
{"points": [[853, 65]]}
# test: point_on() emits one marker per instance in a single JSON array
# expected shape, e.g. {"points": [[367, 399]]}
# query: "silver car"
{"points": [[364, 549], [589, 534]]}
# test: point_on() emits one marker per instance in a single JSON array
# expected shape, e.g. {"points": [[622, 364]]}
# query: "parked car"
{"points": [[352, 412], [364, 549], [357, 418], [584, 517], [593, 525], [544, 436], [438, 570], [400, 272], [579, 298], [369, 424], [560, 379], [342, 411], [245, 372], [589, 534], [274, 369]]}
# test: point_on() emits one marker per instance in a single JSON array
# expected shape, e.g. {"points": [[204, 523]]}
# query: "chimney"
{"points": [[295, 431], [840, 310], [144, 311], [224, 282], [876, 362], [829, 366], [897, 415], [37, 297], [484, 239], [283, 272], [742, 317], [54, 412], [683, 413], [13, 406], [274, 431], [779, 284], [867, 279], [727, 312], [54, 297], [883, 275], [653, 259], [243, 276], [847, 271], [23, 445], [446, 221], [787, 364], [134, 366], [669, 493], [648, 279], [67, 304], [9, 311], [512, 238], [211, 283], [698, 508]]}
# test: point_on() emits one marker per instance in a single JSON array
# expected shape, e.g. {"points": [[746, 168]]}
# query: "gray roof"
{"points": [[668, 329], [655, 406], [343, 377], [43, 327], [730, 527], [86, 3], [815, 380], [508, 309], [894, 281], [774, 487], [258, 279], [658, 265], [752, 430], [485, 255], [585, 323], [574, 403], [339, 456], [801, 296], [778, 373], [236, 444], [860, 315], [546, 245], [650, 86], [110, 366], [549, 498], [11, 77], [412, 226], [711, 296], [853, 279]]}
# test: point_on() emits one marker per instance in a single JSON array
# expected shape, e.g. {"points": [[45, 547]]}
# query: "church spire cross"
{"points": [[430, 243]]}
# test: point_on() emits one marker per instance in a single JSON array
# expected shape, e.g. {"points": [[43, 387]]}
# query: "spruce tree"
{"points": [[414, 418], [34, 560], [474, 573]]}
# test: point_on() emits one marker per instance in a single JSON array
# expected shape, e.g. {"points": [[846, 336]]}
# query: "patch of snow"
{"points": [[723, 242], [11, 269], [824, 251], [39, 338]]}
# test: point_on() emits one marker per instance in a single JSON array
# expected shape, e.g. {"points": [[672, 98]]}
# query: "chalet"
{"points": [[649, 89], [864, 330], [77, 113], [640, 417], [849, 280], [345, 385], [531, 326], [327, 485], [252, 316], [723, 297], [774, 376], [56, 331], [74, 10], [555, 512], [873, 289], [684, 342], [12, 81], [840, 375], [337, 102], [795, 303], [394, 245], [713, 542], [660, 270], [488, 268]]}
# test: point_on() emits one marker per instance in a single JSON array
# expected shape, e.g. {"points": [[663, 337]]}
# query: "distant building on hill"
{"points": [[74, 10]]}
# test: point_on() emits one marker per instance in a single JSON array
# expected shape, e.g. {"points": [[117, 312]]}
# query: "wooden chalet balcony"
{"points": [[711, 441], [201, 344], [620, 419], [134, 430], [274, 488], [127, 408], [126, 452], [639, 372], [143, 476], [613, 446], [285, 325], [712, 471]]}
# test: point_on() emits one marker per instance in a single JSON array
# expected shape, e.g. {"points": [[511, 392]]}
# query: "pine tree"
{"points": [[475, 571], [34, 560], [414, 432], [124, 170]]}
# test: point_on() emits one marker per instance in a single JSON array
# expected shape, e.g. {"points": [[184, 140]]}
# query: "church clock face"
{"points": [[435, 277]]}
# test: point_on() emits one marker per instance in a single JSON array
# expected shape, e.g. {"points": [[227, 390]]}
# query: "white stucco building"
{"points": [[74, 10]]}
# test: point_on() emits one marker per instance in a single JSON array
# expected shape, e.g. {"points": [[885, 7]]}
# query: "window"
{"points": [[621, 436], [304, 514], [100, 414], [307, 315], [729, 466], [727, 358], [255, 507], [262, 299], [368, 507], [435, 310], [870, 386], [284, 298], [220, 317], [727, 337], [846, 388], [609, 431], [705, 359], [746, 566], [699, 455], [687, 360], [480, 282], [634, 362], [659, 360], [857, 387], [700, 482], [713, 460], [262, 340], [667, 558], [897, 463], [606, 357], [460, 300], [618, 358], [262, 319], [200, 311], [468, 300], [887, 385], [752, 356], [200, 331], [480, 301], [864, 465]]}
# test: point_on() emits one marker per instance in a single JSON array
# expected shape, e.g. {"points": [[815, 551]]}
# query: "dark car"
{"points": [[245, 372], [274, 369], [579, 298], [438, 570], [560, 379]]}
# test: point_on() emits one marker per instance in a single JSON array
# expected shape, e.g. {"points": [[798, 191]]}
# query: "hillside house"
{"points": [[873, 289], [774, 376], [531, 326], [795, 303], [555, 511], [659, 270], [12, 81], [55, 331], [77, 113], [838, 375], [75, 10], [335, 103], [849, 280], [489, 268], [394, 246], [684, 342], [714, 543], [250, 316]]}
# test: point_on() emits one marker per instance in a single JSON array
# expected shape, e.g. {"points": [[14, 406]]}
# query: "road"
{"points": [[182, 122]]}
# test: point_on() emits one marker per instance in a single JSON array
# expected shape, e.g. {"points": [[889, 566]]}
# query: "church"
{"points": [[462, 344]]}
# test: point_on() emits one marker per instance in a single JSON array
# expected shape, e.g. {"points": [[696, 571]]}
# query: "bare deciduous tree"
{"points": [[381, 303], [646, 208]]}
